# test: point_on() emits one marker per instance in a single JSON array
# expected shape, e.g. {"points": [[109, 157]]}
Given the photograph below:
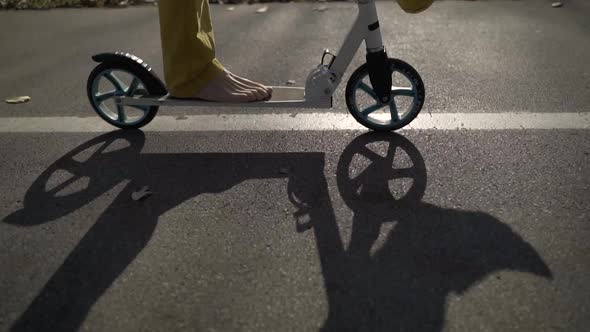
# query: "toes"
{"points": [[251, 95], [266, 94], [256, 94], [237, 97], [259, 93], [266, 91], [262, 95], [231, 87], [248, 95], [242, 97]]}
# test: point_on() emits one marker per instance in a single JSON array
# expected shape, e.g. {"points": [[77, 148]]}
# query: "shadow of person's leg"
{"points": [[341, 291], [106, 250], [352, 307], [365, 231]]}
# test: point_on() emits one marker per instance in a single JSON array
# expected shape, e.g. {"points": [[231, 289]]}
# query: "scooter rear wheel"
{"points": [[407, 98], [110, 80]]}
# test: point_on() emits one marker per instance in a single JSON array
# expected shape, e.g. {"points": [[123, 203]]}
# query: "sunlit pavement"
{"points": [[316, 224]]}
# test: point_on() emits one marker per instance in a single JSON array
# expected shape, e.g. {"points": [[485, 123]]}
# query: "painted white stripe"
{"points": [[304, 121]]}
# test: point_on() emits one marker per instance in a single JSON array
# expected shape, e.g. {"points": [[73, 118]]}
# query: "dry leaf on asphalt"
{"points": [[557, 4], [141, 194], [262, 10], [18, 100], [290, 82]]}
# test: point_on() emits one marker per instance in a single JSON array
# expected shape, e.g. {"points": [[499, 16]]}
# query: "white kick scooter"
{"points": [[384, 94]]}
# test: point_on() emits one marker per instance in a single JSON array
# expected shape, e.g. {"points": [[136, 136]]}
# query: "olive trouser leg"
{"points": [[188, 47]]}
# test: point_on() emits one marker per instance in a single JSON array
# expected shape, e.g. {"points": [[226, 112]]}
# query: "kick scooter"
{"points": [[384, 94]]}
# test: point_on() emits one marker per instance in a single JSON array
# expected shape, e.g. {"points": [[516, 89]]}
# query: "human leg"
{"points": [[188, 48]]}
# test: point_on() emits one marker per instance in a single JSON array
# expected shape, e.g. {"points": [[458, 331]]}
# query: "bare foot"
{"points": [[228, 87]]}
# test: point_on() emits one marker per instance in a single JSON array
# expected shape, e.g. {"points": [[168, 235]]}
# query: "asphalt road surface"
{"points": [[474, 219]]}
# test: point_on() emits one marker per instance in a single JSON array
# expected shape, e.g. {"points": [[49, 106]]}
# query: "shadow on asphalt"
{"points": [[429, 253]]}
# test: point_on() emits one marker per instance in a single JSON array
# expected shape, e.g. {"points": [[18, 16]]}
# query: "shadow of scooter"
{"points": [[429, 253], [126, 226]]}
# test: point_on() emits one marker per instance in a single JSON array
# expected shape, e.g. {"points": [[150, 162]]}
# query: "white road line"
{"points": [[304, 121]]}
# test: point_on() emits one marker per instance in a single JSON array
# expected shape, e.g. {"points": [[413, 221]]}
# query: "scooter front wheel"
{"points": [[110, 80], [407, 97]]}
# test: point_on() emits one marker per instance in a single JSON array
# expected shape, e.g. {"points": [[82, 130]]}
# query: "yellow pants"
{"points": [[414, 6], [188, 47]]}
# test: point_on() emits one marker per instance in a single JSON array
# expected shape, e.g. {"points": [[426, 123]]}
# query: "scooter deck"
{"points": [[282, 96]]}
